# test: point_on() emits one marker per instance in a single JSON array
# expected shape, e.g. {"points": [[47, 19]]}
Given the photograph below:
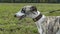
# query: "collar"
{"points": [[37, 18]]}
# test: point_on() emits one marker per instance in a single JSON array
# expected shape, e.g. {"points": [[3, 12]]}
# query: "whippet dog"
{"points": [[32, 12]]}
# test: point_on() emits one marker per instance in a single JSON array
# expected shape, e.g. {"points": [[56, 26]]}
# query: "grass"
{"points": [[11, 25]]}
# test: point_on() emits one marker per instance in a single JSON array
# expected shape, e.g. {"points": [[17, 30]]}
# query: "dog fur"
{"points": [[43, 24]]}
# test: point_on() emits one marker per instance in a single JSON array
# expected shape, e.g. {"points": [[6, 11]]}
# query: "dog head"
{"points": [[26, 11]]}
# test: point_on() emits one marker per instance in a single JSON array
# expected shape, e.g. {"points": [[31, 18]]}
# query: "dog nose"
{"points": [[14, 15]]}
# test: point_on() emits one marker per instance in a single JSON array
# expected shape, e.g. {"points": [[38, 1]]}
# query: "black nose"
{"points": [[14, 15]]}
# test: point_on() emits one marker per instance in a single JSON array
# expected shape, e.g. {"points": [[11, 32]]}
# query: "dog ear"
{"points": [[33, 8]]}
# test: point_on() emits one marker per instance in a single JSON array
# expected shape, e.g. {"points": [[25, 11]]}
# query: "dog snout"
{"points": [[15, 16]]}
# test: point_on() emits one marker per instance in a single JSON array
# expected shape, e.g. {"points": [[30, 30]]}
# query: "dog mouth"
{"points": [[20, 17]]}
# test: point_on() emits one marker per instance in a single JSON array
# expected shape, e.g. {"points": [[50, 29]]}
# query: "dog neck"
{"points": [[38, 17]]}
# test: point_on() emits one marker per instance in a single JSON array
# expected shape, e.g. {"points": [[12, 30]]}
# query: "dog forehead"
{"points": [[27, 8]]}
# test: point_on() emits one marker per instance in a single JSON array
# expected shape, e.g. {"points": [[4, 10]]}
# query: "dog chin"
{"points": [[20, 19]]}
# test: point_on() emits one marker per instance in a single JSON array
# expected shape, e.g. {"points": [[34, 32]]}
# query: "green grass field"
{"points": [[11, 25]]}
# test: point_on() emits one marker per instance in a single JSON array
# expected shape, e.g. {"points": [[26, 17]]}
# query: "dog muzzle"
{"points": [[20, 17]]}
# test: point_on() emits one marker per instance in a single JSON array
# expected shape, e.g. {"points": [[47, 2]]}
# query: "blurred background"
{"points": [[29, 1], [11, 25]]}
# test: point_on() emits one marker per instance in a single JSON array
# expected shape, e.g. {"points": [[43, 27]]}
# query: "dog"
{"points": [[32, 12]]}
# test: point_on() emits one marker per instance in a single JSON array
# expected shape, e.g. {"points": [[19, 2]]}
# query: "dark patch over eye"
{"points": [[23, 10]]}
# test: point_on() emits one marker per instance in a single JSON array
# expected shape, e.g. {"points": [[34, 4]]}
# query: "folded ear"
{"points": [[33, 8]]}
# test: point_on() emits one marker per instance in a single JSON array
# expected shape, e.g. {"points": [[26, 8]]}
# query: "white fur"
{"points": [[39, 22], [31, 15], [19, 14]]}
